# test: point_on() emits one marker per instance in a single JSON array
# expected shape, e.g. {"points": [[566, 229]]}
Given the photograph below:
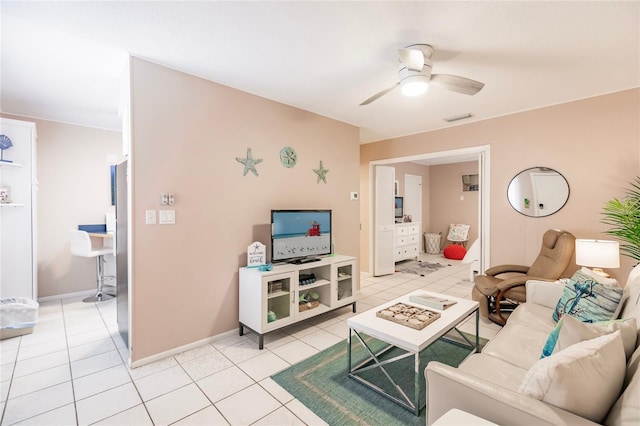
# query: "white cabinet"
{"points": [[269, 300], [406, 241], [18, 266]]}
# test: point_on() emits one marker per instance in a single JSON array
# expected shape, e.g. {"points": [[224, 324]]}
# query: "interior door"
{"points": [[384, 220], [549, 193], [413, 197]]}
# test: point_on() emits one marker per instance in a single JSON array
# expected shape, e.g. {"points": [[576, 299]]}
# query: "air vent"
{"points": [[458, 117]]}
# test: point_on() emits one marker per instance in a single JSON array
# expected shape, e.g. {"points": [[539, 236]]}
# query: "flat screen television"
{"points": [[399, 208], [300, 236]]}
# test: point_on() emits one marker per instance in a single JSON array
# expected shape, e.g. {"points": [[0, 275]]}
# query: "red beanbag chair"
{"points": [[454, 251]]}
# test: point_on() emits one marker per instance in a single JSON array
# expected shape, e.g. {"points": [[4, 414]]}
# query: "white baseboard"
{"points": [[66, 295], [180, 349]]}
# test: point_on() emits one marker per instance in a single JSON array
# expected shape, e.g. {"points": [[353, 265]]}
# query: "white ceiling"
{"points": [[61, 60]]}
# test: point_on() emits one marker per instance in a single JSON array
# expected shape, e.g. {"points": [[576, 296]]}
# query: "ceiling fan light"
{"points": [[414, 85]]}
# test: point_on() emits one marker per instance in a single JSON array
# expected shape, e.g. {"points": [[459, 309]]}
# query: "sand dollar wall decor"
{"points": [[288, 157]]}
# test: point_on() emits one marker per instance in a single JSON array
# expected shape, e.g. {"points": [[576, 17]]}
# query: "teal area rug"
{"points": [[321, 383]]}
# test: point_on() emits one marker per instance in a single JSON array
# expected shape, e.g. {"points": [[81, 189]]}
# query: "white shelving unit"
{"points": [[273, 299], [7, 165], [406, 241], [18, 262]]}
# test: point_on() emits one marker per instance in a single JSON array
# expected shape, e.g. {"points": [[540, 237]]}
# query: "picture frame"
{"points": [[470, 182]]}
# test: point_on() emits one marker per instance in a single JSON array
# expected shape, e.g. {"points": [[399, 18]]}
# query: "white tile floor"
{"points": [[70, 371]]}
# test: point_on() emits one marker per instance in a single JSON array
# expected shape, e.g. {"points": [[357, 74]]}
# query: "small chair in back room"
{"points": [[458, 236]]}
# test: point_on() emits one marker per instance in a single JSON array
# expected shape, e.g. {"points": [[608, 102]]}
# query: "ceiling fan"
{"points": [[415, 75]]}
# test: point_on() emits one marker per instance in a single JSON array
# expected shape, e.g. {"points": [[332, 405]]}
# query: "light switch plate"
{"points": [[150, 217], [167, 217]]}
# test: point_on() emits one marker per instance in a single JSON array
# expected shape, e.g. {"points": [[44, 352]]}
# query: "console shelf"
{"points": [[318, 283], [273, 299]]}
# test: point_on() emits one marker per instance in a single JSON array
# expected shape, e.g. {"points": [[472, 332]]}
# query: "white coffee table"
{"points": [[410, 340]]}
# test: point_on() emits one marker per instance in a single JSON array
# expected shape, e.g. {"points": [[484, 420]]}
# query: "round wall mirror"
{"points": [[538, 192]]}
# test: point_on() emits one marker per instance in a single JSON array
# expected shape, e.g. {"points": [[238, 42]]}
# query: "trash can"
{"points": [[432, 243], [18, 316]]}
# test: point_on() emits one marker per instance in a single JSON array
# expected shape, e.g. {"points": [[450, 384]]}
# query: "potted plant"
{"points": [[624, 218]]}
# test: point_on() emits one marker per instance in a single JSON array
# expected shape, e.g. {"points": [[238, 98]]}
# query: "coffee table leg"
{"points": [[349, 351], [416, 383], [374, 361], [477, 330]]}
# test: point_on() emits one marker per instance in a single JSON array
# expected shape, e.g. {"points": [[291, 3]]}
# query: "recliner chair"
{"points": [[508, 281]]}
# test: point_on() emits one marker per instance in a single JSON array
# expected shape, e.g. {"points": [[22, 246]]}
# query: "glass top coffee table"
{"points": [[411, 342]]}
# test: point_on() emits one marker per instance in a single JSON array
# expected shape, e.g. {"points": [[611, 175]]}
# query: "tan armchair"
{"points": [[507, 281]]}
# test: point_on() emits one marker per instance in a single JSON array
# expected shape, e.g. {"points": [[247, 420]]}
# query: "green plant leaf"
{"points": [[624, 218]]}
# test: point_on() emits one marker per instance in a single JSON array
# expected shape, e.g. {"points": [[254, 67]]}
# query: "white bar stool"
{"points": [[81, 246]]}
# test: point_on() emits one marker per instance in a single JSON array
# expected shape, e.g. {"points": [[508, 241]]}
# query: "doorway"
{"points": [[481, 154]]}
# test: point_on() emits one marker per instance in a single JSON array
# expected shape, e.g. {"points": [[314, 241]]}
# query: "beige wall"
{"points": [[447, 207], [594, 143], [74, 188], [186, 135]]}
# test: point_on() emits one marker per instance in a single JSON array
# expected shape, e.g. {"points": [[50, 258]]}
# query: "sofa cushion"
{"points": [[589, 298], [534, 316], [626, 410], [570, 331], [584, 379], [631, 304], [494, 370], [517, 344]]}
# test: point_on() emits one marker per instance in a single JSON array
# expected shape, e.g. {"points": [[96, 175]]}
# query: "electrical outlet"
{"points": [[150, 217], [171, 199]]}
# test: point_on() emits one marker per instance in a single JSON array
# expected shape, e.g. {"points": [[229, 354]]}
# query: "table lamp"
{"points": [[598, 254]]}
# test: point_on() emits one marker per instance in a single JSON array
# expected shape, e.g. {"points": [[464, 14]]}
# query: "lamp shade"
{"points": [[598, 253]]}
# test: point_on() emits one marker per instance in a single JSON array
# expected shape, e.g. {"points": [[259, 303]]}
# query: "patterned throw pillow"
{"points": [[458, 232], [570, 331], [587, 299]]}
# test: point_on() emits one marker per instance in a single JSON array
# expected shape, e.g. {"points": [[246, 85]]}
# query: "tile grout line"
{"points": [[124, 363], [66, 337], [13, 371]]}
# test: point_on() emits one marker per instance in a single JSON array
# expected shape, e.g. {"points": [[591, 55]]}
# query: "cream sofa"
{"points": [[488, 384]]}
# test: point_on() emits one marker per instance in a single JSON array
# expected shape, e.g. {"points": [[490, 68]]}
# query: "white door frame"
{"points": [[482, 153]]}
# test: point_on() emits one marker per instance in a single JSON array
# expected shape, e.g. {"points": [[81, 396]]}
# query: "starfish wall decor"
{"points": [[249, 163], [322, 173]]}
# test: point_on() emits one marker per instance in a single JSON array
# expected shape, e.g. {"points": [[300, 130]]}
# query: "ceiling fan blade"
{"points": [[412, 58], [379, 94], [455, 83]]}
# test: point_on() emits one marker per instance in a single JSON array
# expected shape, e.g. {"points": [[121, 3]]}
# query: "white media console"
{"points": [[289, 293]]}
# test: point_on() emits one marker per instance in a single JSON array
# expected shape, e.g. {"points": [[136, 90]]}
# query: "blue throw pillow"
{"points": [[587, 299], [550, 344]]}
